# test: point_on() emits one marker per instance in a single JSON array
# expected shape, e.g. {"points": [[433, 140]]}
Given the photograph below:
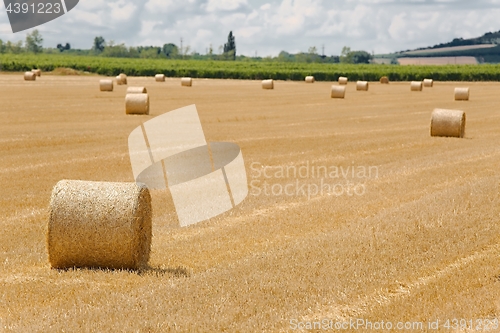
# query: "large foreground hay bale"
{"points": [[337, 91], [160, 77], [343, 80], [428, 83], [448, 123], [137, 90], [268, 84], [461, 94], [186, 82], [309, 79], [29, 76], [121, 79], [106, 85], [99, 224], [362, 85], [137, 104], [384, 80], [37, 72], [416, 86]]}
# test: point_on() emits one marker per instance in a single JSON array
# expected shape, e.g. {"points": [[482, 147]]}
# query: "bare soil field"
{"points": [[453, 48], [413, 235], [438, 61]]}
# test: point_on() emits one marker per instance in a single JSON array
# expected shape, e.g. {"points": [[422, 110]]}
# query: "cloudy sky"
{"points": [[269, 26]]}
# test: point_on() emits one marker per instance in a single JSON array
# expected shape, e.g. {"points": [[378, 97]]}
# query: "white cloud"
{"points": [[224, 5], [269, 26]]}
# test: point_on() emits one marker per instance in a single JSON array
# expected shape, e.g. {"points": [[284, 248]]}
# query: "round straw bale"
{"points": [[106, 85], [121, 79], [37, 72], [428, 83], [384, 80], [268, 84], [186, 82], [137, 104], [29, 76], [309, 79], [137, 90], [362, 85], [461, 94], [337, 91], [416, 86], [343, 80], [99, 224], [160, 77], [448, 123]]}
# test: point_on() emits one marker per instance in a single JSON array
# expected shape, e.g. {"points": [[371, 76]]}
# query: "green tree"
{"points": [[170, 50], [99, 44], [2, 47], [118, 51], [14, 47], [345, 55], [230, 47], [360, 57], [34, 42]]}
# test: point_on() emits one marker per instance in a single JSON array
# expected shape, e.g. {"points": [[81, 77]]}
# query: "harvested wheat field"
{"points": [[354, 211]]}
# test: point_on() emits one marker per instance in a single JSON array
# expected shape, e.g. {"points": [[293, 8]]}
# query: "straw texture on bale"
{"points": [[121, 79], [343, 80], [384, 80], [268, 84], [99, 224], [136, 90], [29, 76], [416, 86], [428, 83], [106, 85], [137, 104], [186, 82], [461, 94], [160, 77], [37, 72], [337, 91], [362, 85], [448, 123], [309, 79]]}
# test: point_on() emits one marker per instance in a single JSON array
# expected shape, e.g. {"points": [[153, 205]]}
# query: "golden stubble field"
{"points": [[419, 241]]}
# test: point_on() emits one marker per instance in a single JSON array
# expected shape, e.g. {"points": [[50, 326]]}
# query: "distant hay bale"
{"points": [[428, 83], [37, 72], [121, 79], [137, 104], [416, 86], [343, 80], [309, 79], [186, 82], [384, 80], [448, 123], [160, 77], [337, 91], [461, 94], [106, 85], [137, 90], [268, 84], [362, 85], [29, 76], [99, 224]]}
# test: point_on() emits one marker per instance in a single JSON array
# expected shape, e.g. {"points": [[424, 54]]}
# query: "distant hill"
{"points": [[486, 49]]}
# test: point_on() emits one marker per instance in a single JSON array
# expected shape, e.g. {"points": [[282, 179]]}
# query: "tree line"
{"points": [[100, 47]]}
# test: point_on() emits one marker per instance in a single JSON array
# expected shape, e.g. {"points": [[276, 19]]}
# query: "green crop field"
{"points": [[247, 69]]}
